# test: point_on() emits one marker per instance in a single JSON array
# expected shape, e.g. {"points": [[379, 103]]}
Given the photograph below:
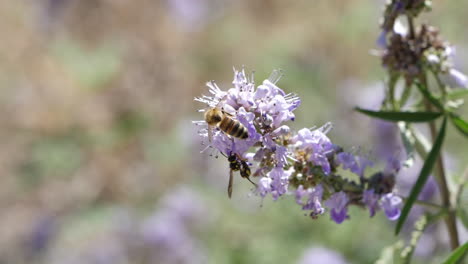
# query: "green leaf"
{"points": [[457, 93], [427, 94], [460, 124], [401, 116], [463, 216], [423, 176], [457, 255]]}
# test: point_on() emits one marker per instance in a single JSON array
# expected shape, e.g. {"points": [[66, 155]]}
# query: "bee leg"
{"points": [[210, 134], [251, 182], [229, 189]]}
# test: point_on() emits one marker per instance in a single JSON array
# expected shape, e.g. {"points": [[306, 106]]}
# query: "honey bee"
{"points": [[216, 117], [237, 164]]}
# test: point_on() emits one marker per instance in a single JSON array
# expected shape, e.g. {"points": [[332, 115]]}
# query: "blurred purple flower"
{"points": [[338, 203], [314, 201], [356, 164], [264, 186], [455, 78], [167, 231], [382, 39], [371, 200], [319, 255], [190, 15], [42, 233]]}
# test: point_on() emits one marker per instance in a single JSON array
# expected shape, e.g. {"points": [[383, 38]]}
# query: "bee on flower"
{"points": [[248, 125]]}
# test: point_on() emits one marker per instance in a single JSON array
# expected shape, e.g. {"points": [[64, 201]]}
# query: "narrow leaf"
{"points": [[423, 176], [460, 124], [457, 93], [463, 216], [457, 254], [427, 94], [395, 116]]}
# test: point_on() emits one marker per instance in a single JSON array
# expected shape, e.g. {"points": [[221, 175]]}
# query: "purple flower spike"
{"points": [[391, 206], [371, 199], [338, 204]]}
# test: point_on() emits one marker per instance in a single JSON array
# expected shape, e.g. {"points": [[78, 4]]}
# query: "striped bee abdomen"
{"points": [[233, 127]]}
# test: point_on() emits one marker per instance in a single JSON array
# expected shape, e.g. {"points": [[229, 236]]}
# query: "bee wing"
{"points": [[229, 189], [228, 110]]}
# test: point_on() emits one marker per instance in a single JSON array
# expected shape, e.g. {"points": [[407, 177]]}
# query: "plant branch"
{"points": [[450, 220]]}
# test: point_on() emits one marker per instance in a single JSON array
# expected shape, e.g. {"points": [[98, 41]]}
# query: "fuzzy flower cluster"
{"points": [[305, 164], [409, 53]]}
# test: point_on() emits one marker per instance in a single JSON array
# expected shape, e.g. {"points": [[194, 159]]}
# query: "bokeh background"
{"points": [[99, 161]]}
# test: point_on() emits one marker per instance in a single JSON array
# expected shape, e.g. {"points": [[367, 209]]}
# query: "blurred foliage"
{"points": [[96, 98]]}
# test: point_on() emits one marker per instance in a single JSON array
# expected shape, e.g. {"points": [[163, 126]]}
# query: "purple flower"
{"points": [[371, 200], [42, 234], [338, 204], [356, 164], [391, 205], [455, 78], [242, 145], [346, 160], [264, 186], [393, 166], [260, 110], [300, 193], [314, 201], [362, 163], [382, 39], [281, 156], [317, 144], [280, 181], [167, 232]]}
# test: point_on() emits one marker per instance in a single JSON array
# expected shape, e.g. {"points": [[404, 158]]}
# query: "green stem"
{"points": [[441, 85], [450, 219], [405, 95], [461, 185], [421, 144], [391, 91]]}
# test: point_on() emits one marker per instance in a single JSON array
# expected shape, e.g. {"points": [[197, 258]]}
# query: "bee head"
{"points": [[213, 116], [232, 158]]}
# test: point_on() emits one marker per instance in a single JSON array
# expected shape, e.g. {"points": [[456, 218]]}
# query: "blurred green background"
{"points": [[99, 160]]}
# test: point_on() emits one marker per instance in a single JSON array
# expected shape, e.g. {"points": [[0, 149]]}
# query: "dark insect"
{"points": [[237, 164]]}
